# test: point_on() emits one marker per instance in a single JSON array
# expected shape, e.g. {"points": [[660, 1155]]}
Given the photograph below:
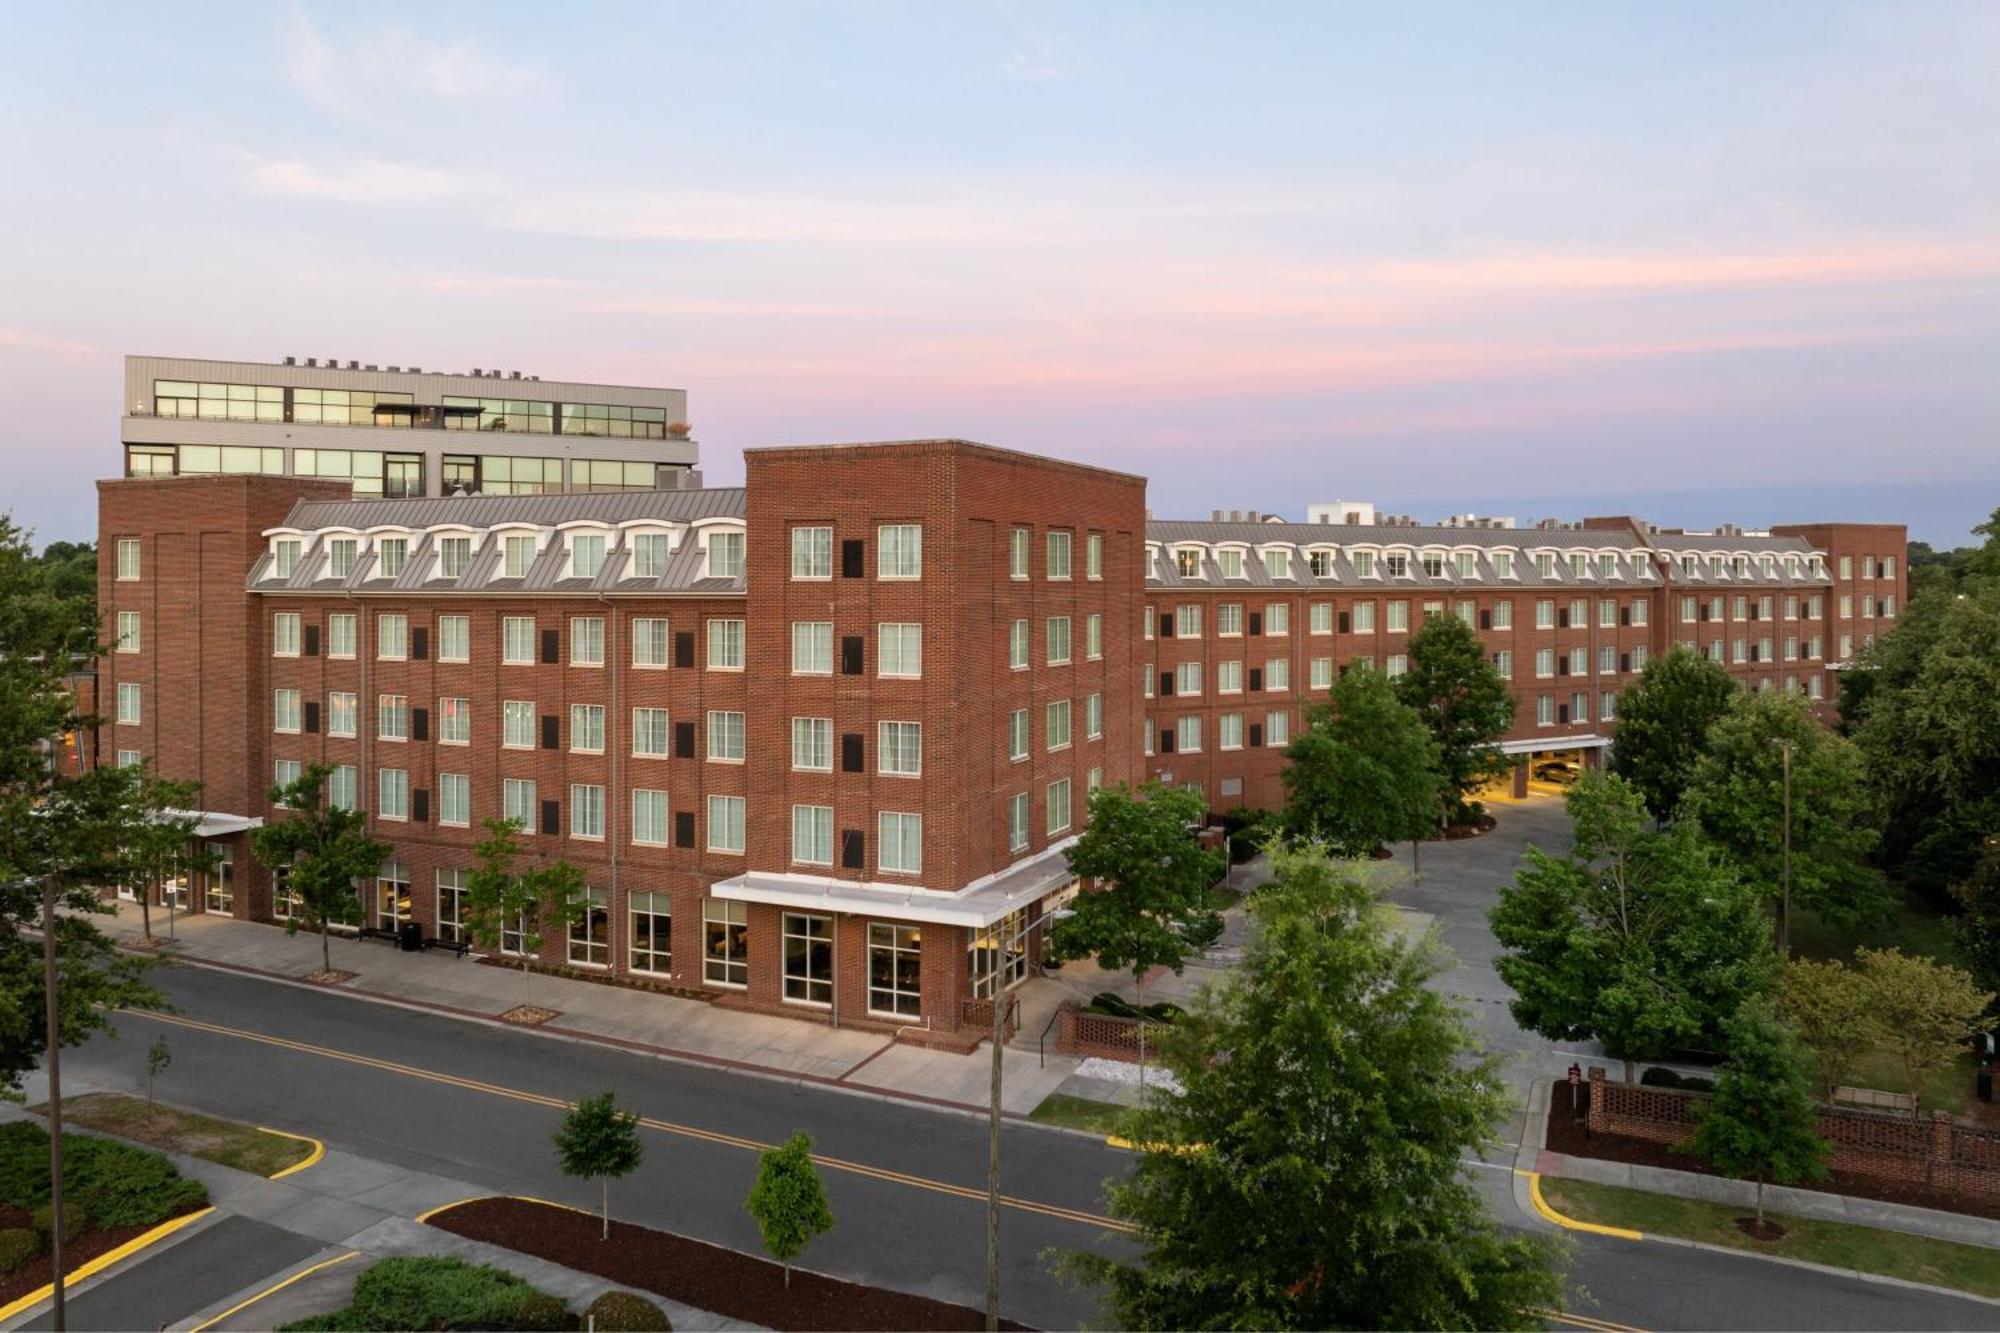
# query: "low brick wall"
{"points": [[977, 1015], [1933, 1151], [1084, 1035]]}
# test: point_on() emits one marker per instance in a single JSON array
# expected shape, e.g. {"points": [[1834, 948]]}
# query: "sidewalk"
{"points": [[622, 1016]]}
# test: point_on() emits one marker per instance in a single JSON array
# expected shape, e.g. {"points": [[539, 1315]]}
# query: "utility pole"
{"points": [[1002, 942], [54, 1059], [1785, 874]]}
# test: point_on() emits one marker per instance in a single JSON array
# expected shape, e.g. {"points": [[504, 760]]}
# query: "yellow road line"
{"points": [[274, 1288], [1583, 1321], [310, 1159], [663, 1126], [92, 1267], [1570, 1223]]}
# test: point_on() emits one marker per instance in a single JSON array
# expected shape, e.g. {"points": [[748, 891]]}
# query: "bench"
{"points": [[375, 933], [455, 946]]}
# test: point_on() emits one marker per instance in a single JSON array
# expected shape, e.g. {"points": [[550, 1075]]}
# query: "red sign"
{"points": [[1575, 1075]]}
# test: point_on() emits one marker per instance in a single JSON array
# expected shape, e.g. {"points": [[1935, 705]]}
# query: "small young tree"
{"points": [[322, 849], [1978, 922], [1150, 905], [1760, 1124], [1364, 771], [561, 894], [158, 1057], [499, 899], [1925, 1011], [1830, 1007], [162, 842], [597, 1141], [1663, 724], [787, 1202], [1463, 700]]}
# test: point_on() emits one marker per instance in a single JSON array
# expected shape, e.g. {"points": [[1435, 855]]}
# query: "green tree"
{"points": [[322, 849], [1310, 1175], [1642, 939], [1738, 795], [1464, 701], [500, 899], [1978, 923], [1761, 1124], [162, 843], [1829, 1005], [158, 1057], [69, 571], [1926, 1012], [787, 1202], [1149, 904], [1663, 724], [597, 1141], [1364, 771]]}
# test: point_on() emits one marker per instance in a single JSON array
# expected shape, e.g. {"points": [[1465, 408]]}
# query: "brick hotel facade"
{"points": [[820, 743]]}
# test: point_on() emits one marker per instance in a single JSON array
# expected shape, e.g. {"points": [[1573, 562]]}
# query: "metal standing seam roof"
{"points": [[547, 510], [1387, 534]]}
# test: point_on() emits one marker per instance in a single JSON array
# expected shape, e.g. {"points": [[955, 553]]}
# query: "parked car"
{"points": [[1562, 771]]}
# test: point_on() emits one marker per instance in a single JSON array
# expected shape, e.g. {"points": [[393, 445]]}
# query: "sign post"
{"points": [[1575, 1077]]}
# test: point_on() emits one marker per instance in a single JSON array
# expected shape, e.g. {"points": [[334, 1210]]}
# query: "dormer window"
{"points": [[651, 549], [1321, 563], [1579, 565], [1791, 566], [1690, 566], [1230, 562], [391, 553], [517, 556], [1767, 566], [340, 557], [1741, 566], [1717, 567], [454, 556], [284, 557], [586, 555], [1433, 565], [1607, 565], [1398, 564], [1463, 562], [1188, 562], [1278, 564], [1503, 564], [725, 555], [1545, 564], [1638, 564], [1364, 564]]}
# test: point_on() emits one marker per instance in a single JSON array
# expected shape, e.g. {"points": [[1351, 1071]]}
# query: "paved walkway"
{"points": [[624, 1016]]}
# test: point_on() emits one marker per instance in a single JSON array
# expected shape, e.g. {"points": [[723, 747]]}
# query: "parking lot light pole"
{"points": [[1000, 947]]}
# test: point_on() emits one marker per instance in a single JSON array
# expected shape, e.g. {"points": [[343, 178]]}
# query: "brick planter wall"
{"points": [[1104, 1036]]}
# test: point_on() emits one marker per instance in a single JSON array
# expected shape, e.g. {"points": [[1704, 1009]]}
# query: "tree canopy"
{"points": [[1364, 770], [1761, 1124], [598, 1141], [1464, 701], [1924, 1011], [1663, 724], [1149, 907], [1828, 1005], [323, 851], [788, 1202], [1310, 1175]]}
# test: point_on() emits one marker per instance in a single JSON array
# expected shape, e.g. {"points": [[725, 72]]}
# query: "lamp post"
{"points": [[1000, 948], [58, 1316]]}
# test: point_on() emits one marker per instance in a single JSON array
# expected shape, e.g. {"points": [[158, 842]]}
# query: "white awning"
{"points": [[1555, 743], [978, 904], [216, 824]]}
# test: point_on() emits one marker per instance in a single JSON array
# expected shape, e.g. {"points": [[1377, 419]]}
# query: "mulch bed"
{"points": [[528, 1015], [708, 1277], [595, 977], [1567, 1135], [77, 1251], [330, 977]]}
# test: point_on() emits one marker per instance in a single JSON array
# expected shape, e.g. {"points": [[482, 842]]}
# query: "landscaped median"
{"points": [[262, 1152], [1970, 1268]]}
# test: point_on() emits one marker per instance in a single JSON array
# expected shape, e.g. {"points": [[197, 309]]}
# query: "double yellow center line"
{"points": [[662, 1126]]}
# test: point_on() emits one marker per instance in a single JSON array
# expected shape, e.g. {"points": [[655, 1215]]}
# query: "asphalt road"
{"points": [[919, 1234], [189, 1275]]}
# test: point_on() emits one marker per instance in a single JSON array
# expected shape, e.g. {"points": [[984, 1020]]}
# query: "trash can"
{"points": [[410, 936], [1984, 1083]]}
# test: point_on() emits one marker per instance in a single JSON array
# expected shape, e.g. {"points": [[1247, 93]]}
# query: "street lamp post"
{"points": [[57, 1313], [1000, 948]]}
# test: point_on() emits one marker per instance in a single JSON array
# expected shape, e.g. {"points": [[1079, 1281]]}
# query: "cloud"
{"points": [[357, 77], [1044, 57], [31, 340]]}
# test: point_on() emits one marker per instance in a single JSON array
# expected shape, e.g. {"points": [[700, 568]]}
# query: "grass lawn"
{"points": [[1059, 1108], [1914, 928], [1220, 898], [223, 1141], [1941, 1263]]}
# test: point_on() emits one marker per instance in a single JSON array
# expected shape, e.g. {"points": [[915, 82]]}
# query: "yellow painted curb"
{"points": [[1570, 1223], [274, 1288], [1186, 1149], [521, 1198], [429, 1213], [311, 1158], [92, 1267]]}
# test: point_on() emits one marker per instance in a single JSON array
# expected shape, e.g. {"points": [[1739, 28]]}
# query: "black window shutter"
{"points": [[1624, 661], [683, 828], [551, 647], [1562, 618], [1704, 611], [1624, 615], [853, 558], [684, 741], [1166, 627], [1167, 741], [420, 724], [312, 719], [1562, 712], [1486, 620], [551, 817], [551, 732], [1562, 665], [1167, 684], [1256, 622], [1256, 735], [1256, 678], [1344, 622], [853, 850], [420, 805], [420, 643], [312, 640], [850, 654], [850, 752], [684, 648]]}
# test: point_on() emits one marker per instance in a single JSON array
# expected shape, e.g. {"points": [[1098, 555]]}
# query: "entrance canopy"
{"points": [[215, 824], [978, 904]]}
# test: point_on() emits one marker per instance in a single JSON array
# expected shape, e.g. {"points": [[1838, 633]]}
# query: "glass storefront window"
{"points": [[652, 933], [895, 970], [220, 895], [725, 931], [590, 933], [808, 958], [392, 895], [1004, 939]]}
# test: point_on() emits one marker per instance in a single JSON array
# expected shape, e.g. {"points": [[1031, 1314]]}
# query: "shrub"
{"points": [[24, 1163], [1696, 1083], [542, 1313], [122, 1186], [626, 1312], [435, 1292], [17, 1246], [1659, 1077], [74, 1220]]}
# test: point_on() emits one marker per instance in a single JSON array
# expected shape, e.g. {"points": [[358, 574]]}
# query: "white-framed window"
{"points": [[518, 801], [451, 905], [1579, 707], [1017, 734], [454, 558], [1688, 610], [455, 799], [812, 835], [1059, 548], [128, 559], [517, 639], [1017, 552], [812, 648], [340, 556], [586, 555], [586, 810], [1056, 724], [1187, 678], [650, 641], [725, 736], [1057, 640], [392, 717], [1058, 806], [285, 710], [650, 733], [1017, 646], [590, 931], [284, 772], [1278, 563], [1364, 564], [1187, 620], [899, 649], [1229, 677], [808, 959], [391, 555], [1607, 660], [895, 970], [1278, 728], [725, 928], [1278, 618], [1093, 716], [725, 555], [1319, 673], [1545, 613], [1503, 662], [651, 825], [1607, 705], [1229, 731], [517, 556], [128, 631], [1188, 561], [1319, 618], [1146, 623], [454, 638], [285, 634], [392, 637], [1363, 618], [586, 641], [1399, 617], [725, 645], [1229, 620], [1639, 657], [1397, 666], [899, 843], [392, 790], [899, 551], [1579, 661], [651, 916], [342, 629], [1093, 556], [1188, 737], [586, 728], [812, 744], [1229, 562], [1278, 674], [517, 724], [812, 553], [1607, 613], [899, 748], [1017, 822], [343, 787], [650, 553], [1093, 636], [1545, 710], [130, 758]]}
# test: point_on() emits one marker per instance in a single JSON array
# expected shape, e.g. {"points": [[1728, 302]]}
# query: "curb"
{"points": [[273, 1289], [311, 1159], [1548, 1214], [90, 1268]]}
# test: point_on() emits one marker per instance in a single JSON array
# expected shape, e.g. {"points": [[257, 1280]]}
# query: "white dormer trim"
{"points": [[584, 527], [1200, 552], [1292, 558], [706, 528]]}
